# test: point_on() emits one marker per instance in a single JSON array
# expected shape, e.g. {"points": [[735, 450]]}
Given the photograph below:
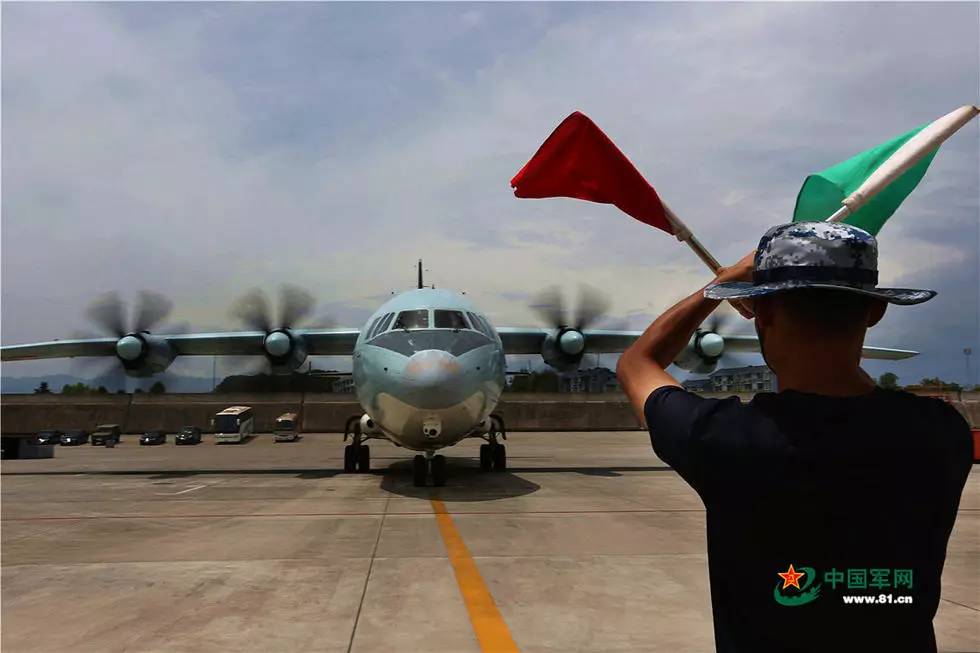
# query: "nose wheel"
{"points": [[357, 456], [493, 457], [423, 466]]}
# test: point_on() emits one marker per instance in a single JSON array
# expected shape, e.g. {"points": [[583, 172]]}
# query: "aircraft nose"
{"points": [[432, 368]]}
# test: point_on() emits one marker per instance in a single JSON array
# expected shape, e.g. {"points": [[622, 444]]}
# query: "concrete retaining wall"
{"points": [[28, 414]]}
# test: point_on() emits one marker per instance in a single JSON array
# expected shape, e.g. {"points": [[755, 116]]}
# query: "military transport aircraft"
{"points": [[428, 365]]}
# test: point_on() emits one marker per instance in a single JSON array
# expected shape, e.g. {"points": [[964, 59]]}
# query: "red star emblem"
{"points": [[791, 577]]}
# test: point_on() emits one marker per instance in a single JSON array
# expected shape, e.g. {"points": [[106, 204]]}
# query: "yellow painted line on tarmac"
{"points": [[488, 624]]}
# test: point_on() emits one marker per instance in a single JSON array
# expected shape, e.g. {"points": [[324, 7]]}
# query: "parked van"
{"points": [[105, 432]]}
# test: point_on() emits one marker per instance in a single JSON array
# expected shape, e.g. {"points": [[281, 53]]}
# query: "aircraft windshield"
{"points": [[450, 320], [413, 320]]}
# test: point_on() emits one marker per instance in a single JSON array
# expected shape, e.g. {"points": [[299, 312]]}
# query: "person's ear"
{"points": [[876, 311]]}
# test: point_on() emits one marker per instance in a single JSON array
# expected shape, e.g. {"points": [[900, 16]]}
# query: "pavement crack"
{"points": [[367, 577]]}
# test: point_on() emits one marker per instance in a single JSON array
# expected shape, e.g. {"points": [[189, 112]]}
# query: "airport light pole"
{"points": [[968, 383]]}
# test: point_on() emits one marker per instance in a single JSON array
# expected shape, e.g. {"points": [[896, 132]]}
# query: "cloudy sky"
{"points": [[203, 149]]}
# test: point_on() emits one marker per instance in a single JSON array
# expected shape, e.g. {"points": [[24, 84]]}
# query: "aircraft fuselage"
{"points": [[427, 378]]}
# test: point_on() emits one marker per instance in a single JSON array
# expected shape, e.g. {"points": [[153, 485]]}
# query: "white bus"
{"points": [[233, 424], [286, 428]]}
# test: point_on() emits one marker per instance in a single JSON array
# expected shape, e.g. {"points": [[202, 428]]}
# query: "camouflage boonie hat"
{"points": [[816, 255]]}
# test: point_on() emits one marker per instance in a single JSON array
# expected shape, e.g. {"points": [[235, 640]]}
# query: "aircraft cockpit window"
{"points": [[418, 319], [374, 327], [450, 320], [480, 324], [385, 321]]}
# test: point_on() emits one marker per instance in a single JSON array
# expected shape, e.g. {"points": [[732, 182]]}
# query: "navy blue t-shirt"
{"points": [[858, 494]]}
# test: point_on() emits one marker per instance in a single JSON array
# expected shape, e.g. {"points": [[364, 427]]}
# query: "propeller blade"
{"points": [[252, 309], [721, 320], [176, 328], [108, 314], [592, 304], [100, 371], [295, 305], [549, 306], [322, 321], [151, 309]]}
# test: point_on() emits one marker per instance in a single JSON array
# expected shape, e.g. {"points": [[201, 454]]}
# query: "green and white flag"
{"points": [[874, 183]]}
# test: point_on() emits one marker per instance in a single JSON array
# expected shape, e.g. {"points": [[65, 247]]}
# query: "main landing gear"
{"points": [[423, 465], [357, 456], [493, 454]]}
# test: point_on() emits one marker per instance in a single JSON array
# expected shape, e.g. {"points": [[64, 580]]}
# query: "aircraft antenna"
{"points": [[420, 275]]}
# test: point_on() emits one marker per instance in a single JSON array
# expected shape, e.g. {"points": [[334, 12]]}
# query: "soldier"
{"points": [[831, 472]]}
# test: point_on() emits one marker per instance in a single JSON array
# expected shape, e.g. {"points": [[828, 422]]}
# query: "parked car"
{"points": [[105, 432], [49, 436], [153, 437], [188, 435], [74, 437]]}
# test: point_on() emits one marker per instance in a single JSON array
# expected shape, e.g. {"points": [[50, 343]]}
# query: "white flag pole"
{"points": [[683, 234], [911, 152], [926, 141]]}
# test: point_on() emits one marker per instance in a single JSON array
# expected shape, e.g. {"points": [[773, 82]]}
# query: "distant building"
{"points": [[753, 378], [697, 385], [596, 379], [344, 384]]}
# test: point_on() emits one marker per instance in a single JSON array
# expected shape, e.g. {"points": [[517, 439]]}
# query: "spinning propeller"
{"points": [[707, 346], [564, 349], [138, 352], [284, 349]]}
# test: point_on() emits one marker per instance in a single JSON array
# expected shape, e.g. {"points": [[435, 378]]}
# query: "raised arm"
{"points": [[643, 367]]}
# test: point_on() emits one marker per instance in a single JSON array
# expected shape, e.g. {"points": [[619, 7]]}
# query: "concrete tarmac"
{"points": [[587, 543]]}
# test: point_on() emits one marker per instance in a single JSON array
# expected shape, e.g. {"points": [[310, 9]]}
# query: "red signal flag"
{"points": [[578, 160]]}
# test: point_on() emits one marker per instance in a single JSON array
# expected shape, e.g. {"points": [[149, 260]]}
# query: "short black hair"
{"points": [[839, 310]]}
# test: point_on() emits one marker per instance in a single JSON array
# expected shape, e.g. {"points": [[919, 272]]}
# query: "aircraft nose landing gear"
{"points": [[493, 454], [423, 465], [357, 456]]}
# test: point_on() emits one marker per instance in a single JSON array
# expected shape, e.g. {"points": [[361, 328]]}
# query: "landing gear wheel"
{"points": [[486, 460], [364, 459], [438, 465], [350, 461], [499, 458], [420, 471]]}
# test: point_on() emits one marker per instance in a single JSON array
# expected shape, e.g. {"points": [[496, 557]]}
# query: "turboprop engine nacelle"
{"points": [[285, 351], [143, 354], [701, 353], [563, 349]]}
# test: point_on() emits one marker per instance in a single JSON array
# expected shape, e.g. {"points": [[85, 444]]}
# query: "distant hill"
{"points": [[172, 382], [319, 381]]}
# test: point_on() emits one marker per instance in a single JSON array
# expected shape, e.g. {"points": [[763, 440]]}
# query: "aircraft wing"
{"points": [[519, 340], [319, 342], [739, 344], [529, 341]]}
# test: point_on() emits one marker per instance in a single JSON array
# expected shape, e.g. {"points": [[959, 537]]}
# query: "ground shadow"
{"points": [[464, 482]]}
